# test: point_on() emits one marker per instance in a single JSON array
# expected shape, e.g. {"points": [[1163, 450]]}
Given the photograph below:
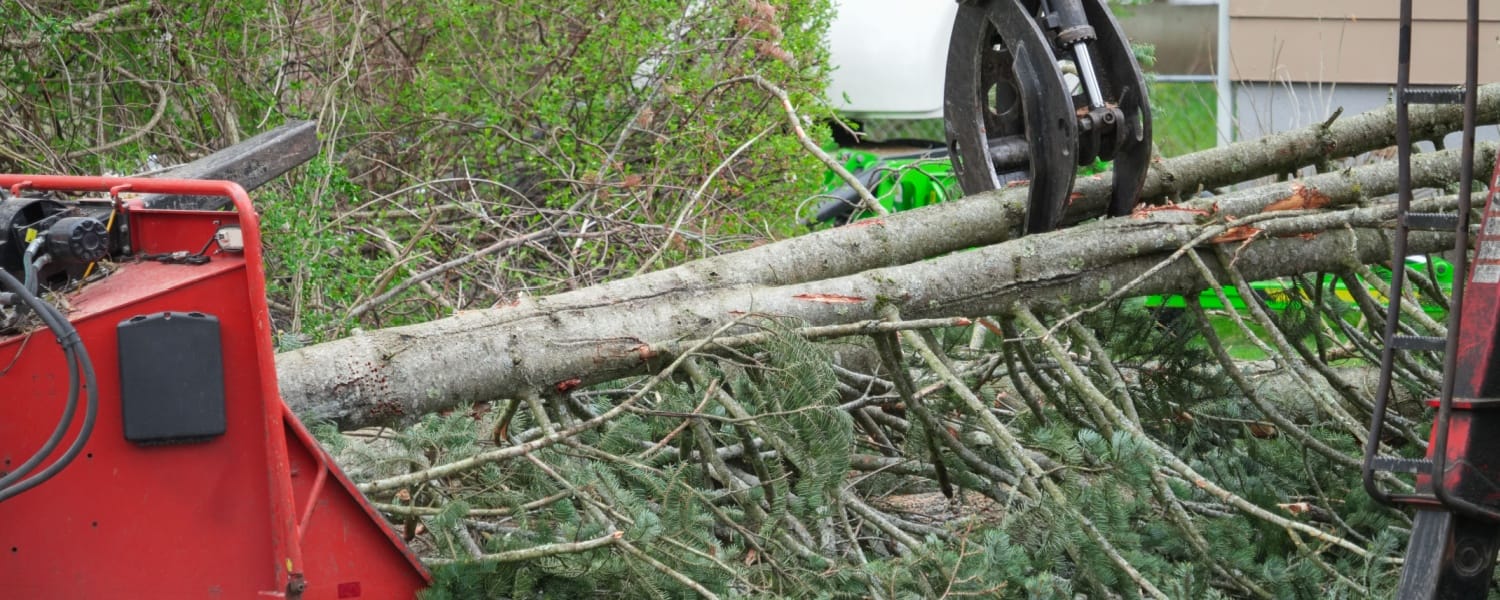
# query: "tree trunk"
{"points": [[632, 326]]}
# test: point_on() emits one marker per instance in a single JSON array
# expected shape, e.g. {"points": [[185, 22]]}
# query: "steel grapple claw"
{"points": [[1057, 76]]}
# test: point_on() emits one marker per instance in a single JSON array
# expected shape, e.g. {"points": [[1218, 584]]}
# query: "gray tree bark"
{"points": [[910, 260]]}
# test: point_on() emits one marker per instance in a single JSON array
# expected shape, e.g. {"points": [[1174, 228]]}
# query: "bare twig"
{"points": [[425, 511], [87, 24], [364, 307], [795, 121], [536, 552], [687, 207]]}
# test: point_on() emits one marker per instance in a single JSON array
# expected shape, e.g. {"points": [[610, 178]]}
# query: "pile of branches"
{"points": [[915, 405]]}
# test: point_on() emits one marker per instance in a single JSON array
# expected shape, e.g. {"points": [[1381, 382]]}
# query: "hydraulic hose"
{"points": [[32, 302], [78, 361], [28, 264]]}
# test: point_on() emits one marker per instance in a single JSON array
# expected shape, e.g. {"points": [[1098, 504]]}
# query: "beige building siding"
{"points": [[1354, 41], [1439, 10]]}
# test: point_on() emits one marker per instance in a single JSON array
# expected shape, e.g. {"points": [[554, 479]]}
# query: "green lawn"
{"points": [[1183, 117]]}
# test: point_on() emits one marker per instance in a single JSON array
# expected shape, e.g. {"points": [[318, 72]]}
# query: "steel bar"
{"points": [[250, 163]]}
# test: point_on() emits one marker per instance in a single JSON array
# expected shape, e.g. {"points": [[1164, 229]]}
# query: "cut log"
{"points": [[403, 372], [909, 260]]}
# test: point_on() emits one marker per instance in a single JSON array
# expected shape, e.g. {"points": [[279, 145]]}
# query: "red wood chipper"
{"points": [[144, 449]]}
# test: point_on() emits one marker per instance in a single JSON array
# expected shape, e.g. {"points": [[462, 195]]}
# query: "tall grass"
{"points": [[1183, 117]]}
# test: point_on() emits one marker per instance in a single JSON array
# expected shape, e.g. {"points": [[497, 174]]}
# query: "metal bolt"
{"points": [[1469, 559]]}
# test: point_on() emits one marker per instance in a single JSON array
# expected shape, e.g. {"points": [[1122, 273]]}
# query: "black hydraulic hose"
{"points": [[37, 306], [91, 411], [78, 360], [63, 424]]}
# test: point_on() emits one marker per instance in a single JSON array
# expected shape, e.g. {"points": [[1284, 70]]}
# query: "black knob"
{"points": [[77, 240]]}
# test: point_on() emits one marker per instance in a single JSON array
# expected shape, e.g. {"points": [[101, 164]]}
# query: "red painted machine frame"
{"points": [[258, 512]]}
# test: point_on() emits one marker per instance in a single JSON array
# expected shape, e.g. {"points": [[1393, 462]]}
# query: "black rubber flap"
{"points": [[171, 378]]}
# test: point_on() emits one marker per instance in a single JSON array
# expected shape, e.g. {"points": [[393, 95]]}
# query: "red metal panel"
{"points": [[1478, 363], [337, 519], [257, 512], [140, 520]]}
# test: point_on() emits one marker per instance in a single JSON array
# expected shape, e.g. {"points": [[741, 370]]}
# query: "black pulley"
{"points": [[1057, 78], [77, 240]]}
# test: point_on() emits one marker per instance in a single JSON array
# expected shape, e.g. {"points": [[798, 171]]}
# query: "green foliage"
{"points": [[1183, 118], [309, 260], [446, 125], [1033, 550], [670, 507]]}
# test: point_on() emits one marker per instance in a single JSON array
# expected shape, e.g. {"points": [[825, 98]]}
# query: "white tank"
{"points": [[889, 57]]}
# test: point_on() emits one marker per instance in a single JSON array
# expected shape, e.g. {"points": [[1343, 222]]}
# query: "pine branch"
{"points": [[1287, 357], [1232, 369], [1019, 457], [1170, 460]]}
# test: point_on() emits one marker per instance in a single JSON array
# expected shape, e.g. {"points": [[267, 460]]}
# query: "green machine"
{"points": [[1034, 91], [1279, 294], [915, 179], [899, 182]]}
